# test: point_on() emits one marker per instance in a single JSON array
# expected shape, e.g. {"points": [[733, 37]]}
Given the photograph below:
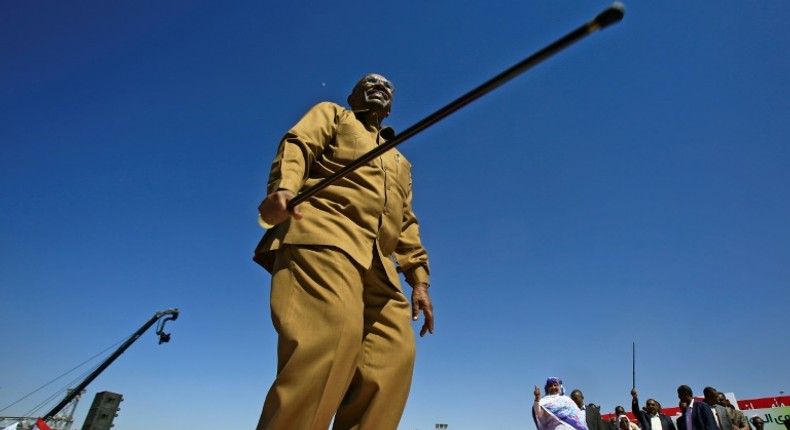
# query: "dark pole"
{"points": [[610, 16], [633, 365], [76, 391]]}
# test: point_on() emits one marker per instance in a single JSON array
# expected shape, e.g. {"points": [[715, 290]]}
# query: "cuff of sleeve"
{"points": [[284, 184], [419, 274]]}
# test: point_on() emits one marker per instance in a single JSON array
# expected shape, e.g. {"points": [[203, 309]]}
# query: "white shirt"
{"points": [[655, 422]]}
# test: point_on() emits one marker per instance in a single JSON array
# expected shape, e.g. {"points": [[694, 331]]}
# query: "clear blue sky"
{"points": [[635, 187]]}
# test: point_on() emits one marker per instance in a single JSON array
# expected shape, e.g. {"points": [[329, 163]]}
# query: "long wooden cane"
{"points": [[612, 15]]}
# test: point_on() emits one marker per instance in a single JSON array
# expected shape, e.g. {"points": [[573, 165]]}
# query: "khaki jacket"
{"points": [[371, 206]]}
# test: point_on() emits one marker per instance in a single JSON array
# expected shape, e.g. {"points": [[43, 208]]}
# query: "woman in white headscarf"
{"points": [[555, 410]]}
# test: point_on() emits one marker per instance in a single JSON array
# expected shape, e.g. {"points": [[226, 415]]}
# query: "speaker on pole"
{"points": [[103, 410]]}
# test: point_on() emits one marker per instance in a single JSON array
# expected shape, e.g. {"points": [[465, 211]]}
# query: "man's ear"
{"points": [[354, 101]]}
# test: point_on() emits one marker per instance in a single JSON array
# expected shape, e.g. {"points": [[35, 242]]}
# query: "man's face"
{"points": [[712, 398], [723, 400], [652, 407], [758, 422], [684, 397], [619, 411], [373, 92], [578, 398]]}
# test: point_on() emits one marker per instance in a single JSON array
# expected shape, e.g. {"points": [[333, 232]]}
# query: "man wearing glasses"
{"points": [[345, 342]]}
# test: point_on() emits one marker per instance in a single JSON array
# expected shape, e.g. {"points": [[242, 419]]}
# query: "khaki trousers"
{"points": [[345, 348]]}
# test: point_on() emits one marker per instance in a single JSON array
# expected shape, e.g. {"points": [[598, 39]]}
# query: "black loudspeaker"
{"points": [[103, 410]]}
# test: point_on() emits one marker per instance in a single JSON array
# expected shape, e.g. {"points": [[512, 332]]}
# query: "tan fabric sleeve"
{"points": [[301, 146], [410, 255]]}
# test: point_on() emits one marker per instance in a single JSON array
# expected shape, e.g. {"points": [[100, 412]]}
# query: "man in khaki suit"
{"points": [[345, 343], [737, 418]]}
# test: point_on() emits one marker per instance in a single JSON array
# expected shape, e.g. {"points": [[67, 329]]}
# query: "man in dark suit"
{"points": [[696, 415], [651, 418], [592, 413]]}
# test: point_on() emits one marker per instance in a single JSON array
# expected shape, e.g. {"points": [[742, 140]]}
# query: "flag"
{"points": [[41, 425]]}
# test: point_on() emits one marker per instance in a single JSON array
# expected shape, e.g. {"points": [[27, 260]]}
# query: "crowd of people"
{"points": [[556, 411]]}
